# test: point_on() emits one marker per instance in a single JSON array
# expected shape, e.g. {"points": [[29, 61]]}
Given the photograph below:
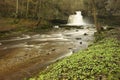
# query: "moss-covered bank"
{"points": [[101, 61]]}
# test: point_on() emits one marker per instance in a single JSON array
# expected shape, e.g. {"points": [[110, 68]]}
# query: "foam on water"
{"points": [[17, 38], [51, 39], [76, 19]]}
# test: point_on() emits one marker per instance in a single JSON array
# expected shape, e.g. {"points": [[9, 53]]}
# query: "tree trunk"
{"points": [[22, 8], [27, 11], [38, 14], [17, 8], [36, 9], [95, 16], [39, 7]]}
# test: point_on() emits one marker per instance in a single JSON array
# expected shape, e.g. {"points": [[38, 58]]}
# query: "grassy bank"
{"points": [[101, 61]]}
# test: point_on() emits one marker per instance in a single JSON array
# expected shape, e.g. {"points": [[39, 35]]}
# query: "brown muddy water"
{"points": [[25, 55]]}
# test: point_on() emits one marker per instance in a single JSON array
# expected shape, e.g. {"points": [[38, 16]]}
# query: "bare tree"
{"points": [[27, 11], [22, 8], [38, 14], [17, 8], [94, 9]]}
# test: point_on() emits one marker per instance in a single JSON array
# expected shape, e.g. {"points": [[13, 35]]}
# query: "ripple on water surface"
{"points": [[42, 48]]}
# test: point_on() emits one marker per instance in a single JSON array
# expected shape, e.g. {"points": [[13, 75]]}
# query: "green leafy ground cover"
{"points": [[101, 61]]}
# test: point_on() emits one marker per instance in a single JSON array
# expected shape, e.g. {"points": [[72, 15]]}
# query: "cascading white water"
{"points": [[76, 19]]}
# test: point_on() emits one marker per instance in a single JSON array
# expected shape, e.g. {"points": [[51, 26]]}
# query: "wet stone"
{"points": [[68, 35], [53, 49], [48, 53], [77, 30], [80, 42], [69, 48], [30, 55], [73, 51], [78, 38], [85, 34], [26, 54]]}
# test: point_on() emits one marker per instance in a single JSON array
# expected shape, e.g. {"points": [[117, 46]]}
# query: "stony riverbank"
{"points": [[101, 61]]}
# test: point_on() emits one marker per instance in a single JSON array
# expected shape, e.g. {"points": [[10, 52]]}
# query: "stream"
{"points": [[25, 55]]}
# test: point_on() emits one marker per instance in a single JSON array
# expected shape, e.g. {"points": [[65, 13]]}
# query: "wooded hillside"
{"points": [[55, 9]]}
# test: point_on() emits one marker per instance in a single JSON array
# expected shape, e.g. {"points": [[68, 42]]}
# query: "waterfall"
{"points": [[76, 19]]}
